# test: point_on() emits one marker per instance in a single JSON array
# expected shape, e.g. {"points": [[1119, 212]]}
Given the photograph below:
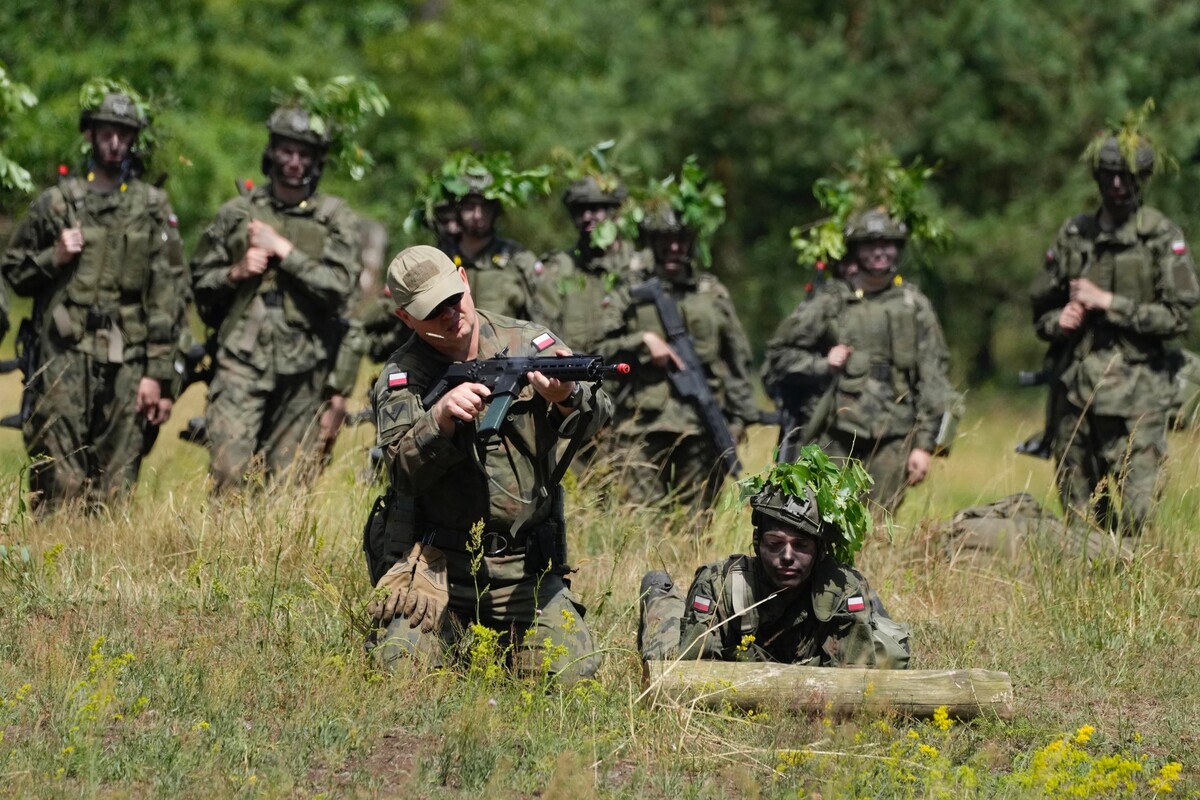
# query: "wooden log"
{"points": [[966, 693]]}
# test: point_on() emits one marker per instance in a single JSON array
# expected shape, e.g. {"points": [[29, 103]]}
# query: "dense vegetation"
{"points": [[770, 95]]}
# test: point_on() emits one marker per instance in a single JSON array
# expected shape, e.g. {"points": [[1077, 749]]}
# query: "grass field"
{"points": [[174, 649]]}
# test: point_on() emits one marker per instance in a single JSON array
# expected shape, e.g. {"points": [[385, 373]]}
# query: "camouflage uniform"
{"points": [[109, 318], [458, 484], [836, 620], [278, 334], [585, 294], [659, 435], [1113, 378], [499, 277], [892, 395]]}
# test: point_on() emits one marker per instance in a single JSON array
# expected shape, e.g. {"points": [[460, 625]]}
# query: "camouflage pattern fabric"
{"points": [[837, 621], [275, 333], [499, 278], [498, 489], [1113, 376], [659, 439], [894, 387], [110, 318], [584, 295]]}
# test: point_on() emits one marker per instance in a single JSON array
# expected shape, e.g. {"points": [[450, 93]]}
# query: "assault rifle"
{"points": [[690, 382], [505, 377], [27, 349]]}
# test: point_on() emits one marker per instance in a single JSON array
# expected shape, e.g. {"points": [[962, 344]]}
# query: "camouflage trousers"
{"points": [[538, 620], [259, 421], [659, 624], [663, 467], [886, 460], [84, 421], [1108, 467]]}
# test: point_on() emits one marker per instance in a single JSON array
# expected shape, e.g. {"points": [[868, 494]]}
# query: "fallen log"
{"points": [[966, 693]]}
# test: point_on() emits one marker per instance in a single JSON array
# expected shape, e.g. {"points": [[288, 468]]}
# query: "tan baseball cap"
{"points": [[421, 277]]}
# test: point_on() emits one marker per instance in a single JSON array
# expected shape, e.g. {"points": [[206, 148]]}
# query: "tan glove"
{"points": [[426, 604], [384, 607]]}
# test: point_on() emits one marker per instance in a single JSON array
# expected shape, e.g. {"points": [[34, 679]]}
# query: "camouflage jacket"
{"points": [[288, 319], [1116, 362], [895, 382], [831, 622], [456, 482], [120, 299], [499, 277], [647, 401], [585, 297]]}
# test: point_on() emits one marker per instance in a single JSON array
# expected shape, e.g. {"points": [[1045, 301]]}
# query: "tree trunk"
{"points": [[965, 693]]}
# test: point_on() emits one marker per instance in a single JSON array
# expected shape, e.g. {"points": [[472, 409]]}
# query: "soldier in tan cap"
{"points": [[451, 499]]}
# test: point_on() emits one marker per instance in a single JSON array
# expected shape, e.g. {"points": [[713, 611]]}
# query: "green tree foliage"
{"points": [[769, 95], [15, 99]]}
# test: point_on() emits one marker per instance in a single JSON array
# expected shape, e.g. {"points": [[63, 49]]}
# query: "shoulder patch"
{"points": [[702, 604], [543, 341], [397, 380], [1179, 247]]}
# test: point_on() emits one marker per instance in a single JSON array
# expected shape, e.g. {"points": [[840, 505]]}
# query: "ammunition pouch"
{"points": [[388, 533]]}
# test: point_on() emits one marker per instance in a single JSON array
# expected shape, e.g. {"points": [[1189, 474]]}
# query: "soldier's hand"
{"points": [[149, 402], [465, 402], [331, 421], [839, 354], [392, 589], [264, 236], [68, 245], [918, 465], [661, 353], [428, 600], [552, 389], [1090, 296], [1071, 317], [253, 263]]}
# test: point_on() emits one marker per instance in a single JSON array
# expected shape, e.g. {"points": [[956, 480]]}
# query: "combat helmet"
{"points": [[117, 108], [589, 191], [1140, 162], [661, 218], [772, 503], [873, 224], [295, 123]]}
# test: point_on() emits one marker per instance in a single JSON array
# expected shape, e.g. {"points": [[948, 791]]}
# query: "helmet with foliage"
{"points": [[772, 504], [688, 201], [491, 176], [1111, 156], [873, 224], [293, 122], [590, 190], [815, 496], [116, 108]]}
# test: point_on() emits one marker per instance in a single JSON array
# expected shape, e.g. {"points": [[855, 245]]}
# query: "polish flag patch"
{"points": [[701, 604], [543, 341], [397, 379], [855, 603], [1179, 247]]}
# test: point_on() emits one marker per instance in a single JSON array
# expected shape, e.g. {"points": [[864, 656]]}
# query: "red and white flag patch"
{"points": [[855, 603], [397, 379], [543, 341], [1179, 247], [701, 604]]}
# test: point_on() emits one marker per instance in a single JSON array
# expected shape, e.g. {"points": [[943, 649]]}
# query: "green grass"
{"points": [[177, 649]]}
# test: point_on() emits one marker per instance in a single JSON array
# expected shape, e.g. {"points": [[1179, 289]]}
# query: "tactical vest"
{"points": [[100, 307], [877, 387], [256, 296], [496, 283]]}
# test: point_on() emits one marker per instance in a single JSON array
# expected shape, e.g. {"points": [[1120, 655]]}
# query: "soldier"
{"points": [[584, 292], [869, 355], [791, 602], [505, 493], [94, 255], [498, 269], [661, 434], [271, 275], [1117, 285]]}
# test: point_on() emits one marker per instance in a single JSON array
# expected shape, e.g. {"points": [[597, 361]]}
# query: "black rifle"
{"points": [[27, 347], [690, 382], [505, 376]]}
